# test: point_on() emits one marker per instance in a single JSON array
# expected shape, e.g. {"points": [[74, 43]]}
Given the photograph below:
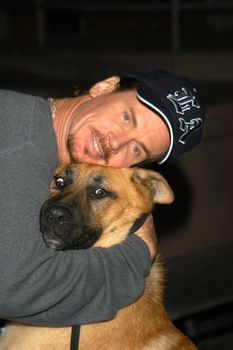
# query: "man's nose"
{"points": [[117, 142]]}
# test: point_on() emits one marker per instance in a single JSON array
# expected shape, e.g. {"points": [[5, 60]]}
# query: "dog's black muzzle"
{"points": [[64, 227], [58, 216]]}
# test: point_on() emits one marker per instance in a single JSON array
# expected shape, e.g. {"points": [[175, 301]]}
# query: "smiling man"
{"points": [[118, 126], [109, 128], [119, 122]]}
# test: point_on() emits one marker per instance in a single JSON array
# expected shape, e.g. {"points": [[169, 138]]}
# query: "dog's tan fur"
{"points": [[143, 325]]}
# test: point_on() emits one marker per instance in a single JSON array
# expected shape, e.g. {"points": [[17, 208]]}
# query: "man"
{"points": [[120, 122]]}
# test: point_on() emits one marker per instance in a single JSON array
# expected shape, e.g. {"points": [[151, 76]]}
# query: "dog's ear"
{"points": [[156, 184]]}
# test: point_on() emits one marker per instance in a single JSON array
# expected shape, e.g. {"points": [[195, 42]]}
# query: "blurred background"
{"points": [[49, 47]]}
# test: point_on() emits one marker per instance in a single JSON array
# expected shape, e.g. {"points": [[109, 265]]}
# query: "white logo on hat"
{"points": [[188, 127], [183, 100]]}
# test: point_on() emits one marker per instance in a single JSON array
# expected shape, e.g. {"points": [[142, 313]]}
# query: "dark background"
{"points": [[49, 47]]}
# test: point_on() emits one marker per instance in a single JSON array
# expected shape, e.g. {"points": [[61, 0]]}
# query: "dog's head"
{"points": [[93, 205]]}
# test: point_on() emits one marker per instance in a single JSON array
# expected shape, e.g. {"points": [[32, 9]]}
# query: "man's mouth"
{"points": [[99, 145]]}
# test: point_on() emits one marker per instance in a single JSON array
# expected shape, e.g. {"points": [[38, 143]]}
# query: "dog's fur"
{"points": [[104, 202]]}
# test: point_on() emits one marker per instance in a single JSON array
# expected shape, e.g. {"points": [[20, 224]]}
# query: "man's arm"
{"points": [[39, 285]]}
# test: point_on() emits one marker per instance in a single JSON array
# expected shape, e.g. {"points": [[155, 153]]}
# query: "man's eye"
{"points": [[59, 182], [136, 150], [126, 117]]}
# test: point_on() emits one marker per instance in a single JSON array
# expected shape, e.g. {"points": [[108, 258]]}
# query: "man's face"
{"points": [[116, 129]]}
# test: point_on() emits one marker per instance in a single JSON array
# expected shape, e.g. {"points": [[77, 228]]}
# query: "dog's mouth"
{"points": [[62, 231], [57, 242], [53, 243]]}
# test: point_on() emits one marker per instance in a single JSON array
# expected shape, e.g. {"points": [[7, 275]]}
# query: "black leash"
{"points": [[74, 337]]}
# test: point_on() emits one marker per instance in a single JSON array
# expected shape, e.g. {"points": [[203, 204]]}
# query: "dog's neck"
{"points": [[116, 234], [138, 223]]}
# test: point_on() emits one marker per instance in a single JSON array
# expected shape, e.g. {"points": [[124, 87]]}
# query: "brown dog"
{"points": [[107, 203]]}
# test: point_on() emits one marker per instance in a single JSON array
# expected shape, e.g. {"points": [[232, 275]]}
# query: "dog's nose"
{"points": [[57, 215]]}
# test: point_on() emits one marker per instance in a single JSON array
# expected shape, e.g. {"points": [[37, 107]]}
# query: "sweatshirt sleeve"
{"points": [[40, 285]]}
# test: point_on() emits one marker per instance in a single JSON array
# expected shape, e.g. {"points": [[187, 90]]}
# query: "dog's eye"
{"points": [[97, 193], [60, 182], [100, 193]]}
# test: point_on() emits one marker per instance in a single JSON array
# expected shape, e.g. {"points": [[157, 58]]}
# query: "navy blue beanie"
{"points": [[177, 101]]}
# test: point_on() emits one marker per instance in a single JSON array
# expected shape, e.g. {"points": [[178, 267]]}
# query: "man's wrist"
{"points": [[142, 251]]}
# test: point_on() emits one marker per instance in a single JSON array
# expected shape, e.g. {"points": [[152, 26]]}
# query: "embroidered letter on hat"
{"points": [[183, 100], [188, 127]]}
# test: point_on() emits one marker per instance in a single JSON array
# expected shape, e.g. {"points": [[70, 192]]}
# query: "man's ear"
{"points": [[104, 87], [158, 186]]}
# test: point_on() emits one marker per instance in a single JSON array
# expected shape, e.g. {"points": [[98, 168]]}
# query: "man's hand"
{"points": [[148, 234]]}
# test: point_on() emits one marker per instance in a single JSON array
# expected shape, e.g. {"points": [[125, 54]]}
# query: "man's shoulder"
{"points": [[23, 119], [19, 97], [19, 105]]}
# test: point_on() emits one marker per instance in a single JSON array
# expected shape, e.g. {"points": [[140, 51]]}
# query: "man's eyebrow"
{"points": [[148, 154], [133, 114]]}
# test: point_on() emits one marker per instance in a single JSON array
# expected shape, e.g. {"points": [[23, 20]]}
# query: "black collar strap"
{"points": [[138, 223], [75, 337]]}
